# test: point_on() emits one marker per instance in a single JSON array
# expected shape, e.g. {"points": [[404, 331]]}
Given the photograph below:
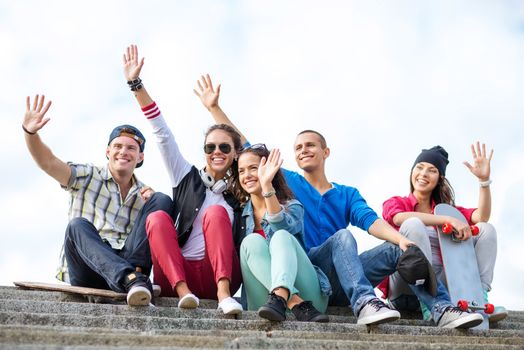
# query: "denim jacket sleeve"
{"points": [[290, 218]]}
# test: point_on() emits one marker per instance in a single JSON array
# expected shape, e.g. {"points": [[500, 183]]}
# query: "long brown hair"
{"points": [[283, 192], [442, 193]]}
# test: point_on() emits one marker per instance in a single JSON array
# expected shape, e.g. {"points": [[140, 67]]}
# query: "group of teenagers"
{"points": [[243, 221]]}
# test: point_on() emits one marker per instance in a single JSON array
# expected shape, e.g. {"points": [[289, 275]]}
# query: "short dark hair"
{"points": [[323, 142]]}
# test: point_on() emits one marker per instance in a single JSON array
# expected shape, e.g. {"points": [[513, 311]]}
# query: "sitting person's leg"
{"points": [[222, 257], [340, 251], [169, 264], [255, 263], [136, 249], [486, 251], [400, 293], [292, 269], [86, 252]]}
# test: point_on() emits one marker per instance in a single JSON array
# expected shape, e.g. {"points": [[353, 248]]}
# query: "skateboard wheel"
{"points": [[463, 305], [489, 308], [447, 228], [474, 230]]}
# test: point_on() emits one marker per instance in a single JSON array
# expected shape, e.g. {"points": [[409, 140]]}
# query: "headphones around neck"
{"points": [[217, 187]]}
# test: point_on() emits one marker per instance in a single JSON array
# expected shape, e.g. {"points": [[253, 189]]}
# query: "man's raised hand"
{"points": [[34, 118]]}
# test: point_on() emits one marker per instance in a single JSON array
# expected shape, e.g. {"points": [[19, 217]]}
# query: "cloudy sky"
{"points": [[380, 79]]}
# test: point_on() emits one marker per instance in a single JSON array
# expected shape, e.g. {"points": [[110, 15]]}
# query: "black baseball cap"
{"points": [[415, 269], [132, 132]]}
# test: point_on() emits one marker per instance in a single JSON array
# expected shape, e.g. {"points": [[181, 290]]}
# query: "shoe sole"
{"points": [[139, 297], [378, 319], [270, 314], [374, 321], [320, 319], [187, 303], [469, 321], [156, 290], [493, 318], [231, 312]]}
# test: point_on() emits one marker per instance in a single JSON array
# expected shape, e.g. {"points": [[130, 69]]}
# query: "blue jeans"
{"points": [[92, 262], [353, 277]]}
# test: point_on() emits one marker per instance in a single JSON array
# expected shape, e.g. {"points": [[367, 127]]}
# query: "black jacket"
{"points": [[188, 197]]}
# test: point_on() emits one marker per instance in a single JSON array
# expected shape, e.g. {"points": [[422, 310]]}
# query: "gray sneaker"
{"points": [[375, 312], [453, 317]]}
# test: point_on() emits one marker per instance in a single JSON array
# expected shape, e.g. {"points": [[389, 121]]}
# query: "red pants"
{"points": [[201, 276]]}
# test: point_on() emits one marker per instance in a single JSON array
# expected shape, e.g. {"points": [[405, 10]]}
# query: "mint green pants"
{"points": [[281, 263]]}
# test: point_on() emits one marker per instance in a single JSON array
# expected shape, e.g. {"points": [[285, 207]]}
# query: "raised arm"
{"points": [[132, 68], [176, 165], [209, 98], [481, 169], [290, 218], [266, 173], [34, 120]]}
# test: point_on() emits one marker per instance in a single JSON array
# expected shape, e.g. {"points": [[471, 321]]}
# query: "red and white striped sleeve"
{"points": [[177, 166], [152, 111]]}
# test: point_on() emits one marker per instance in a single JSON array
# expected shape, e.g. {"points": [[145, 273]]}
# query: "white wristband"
{"points": [[485, 183]]}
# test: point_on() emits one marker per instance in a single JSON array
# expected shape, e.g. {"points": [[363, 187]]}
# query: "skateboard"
{"points": [[460, 267], [93, 295]]}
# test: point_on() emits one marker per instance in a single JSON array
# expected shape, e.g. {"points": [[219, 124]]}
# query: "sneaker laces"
{"points": [[306, 305], [453, 309], [376, 304]]}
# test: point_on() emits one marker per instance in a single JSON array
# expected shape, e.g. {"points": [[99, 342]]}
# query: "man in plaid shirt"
{"points": [[105, 243]]}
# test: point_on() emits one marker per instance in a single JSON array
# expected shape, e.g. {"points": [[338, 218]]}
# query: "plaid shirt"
{"points": [[95, 196]]}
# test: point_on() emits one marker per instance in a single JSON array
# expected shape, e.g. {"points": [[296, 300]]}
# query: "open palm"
{"points": [[269, 167], [132, 65], [481, 162], [34, 118], [208, 95]]}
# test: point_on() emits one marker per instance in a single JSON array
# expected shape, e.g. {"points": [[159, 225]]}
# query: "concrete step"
{"points": [[141, 323], [217, 338], [20, 294], [34, 319], [32, 306], [66, 336]]}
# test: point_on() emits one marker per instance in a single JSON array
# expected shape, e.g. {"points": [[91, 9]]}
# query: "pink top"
{"points": [[398, 204]]}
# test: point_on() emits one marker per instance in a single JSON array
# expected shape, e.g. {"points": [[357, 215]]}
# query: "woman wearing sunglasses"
{"points": [[272, 255], [193, 248]]}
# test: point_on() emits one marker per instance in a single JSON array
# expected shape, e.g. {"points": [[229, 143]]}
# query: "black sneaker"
{"points": [[274, 309], [305, 311], [139, 289]]}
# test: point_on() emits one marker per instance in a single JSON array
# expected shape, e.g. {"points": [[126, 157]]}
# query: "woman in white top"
{"points": [[193, 248]]}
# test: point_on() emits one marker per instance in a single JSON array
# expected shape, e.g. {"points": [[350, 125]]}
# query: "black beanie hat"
{"points": [[437, 156]]}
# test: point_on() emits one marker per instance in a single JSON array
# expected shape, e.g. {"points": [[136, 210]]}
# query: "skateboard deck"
{"points": [[460, 265], [91, 294]]}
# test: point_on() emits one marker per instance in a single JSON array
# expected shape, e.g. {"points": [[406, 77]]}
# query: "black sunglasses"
{"points": [[255, 147], [211, 147]]}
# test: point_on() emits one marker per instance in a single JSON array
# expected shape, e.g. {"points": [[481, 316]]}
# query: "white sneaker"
{"points": [[157, 290], [188, 301], [138, 296], [230, 306], [453, 317], [376, 312]]}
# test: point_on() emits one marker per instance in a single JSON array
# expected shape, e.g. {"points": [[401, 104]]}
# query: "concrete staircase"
{"points": [[54, 320]]}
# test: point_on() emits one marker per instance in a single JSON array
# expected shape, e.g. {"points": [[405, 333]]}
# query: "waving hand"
{"points": [[132, 65], [481, 162], [34, 118]]}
